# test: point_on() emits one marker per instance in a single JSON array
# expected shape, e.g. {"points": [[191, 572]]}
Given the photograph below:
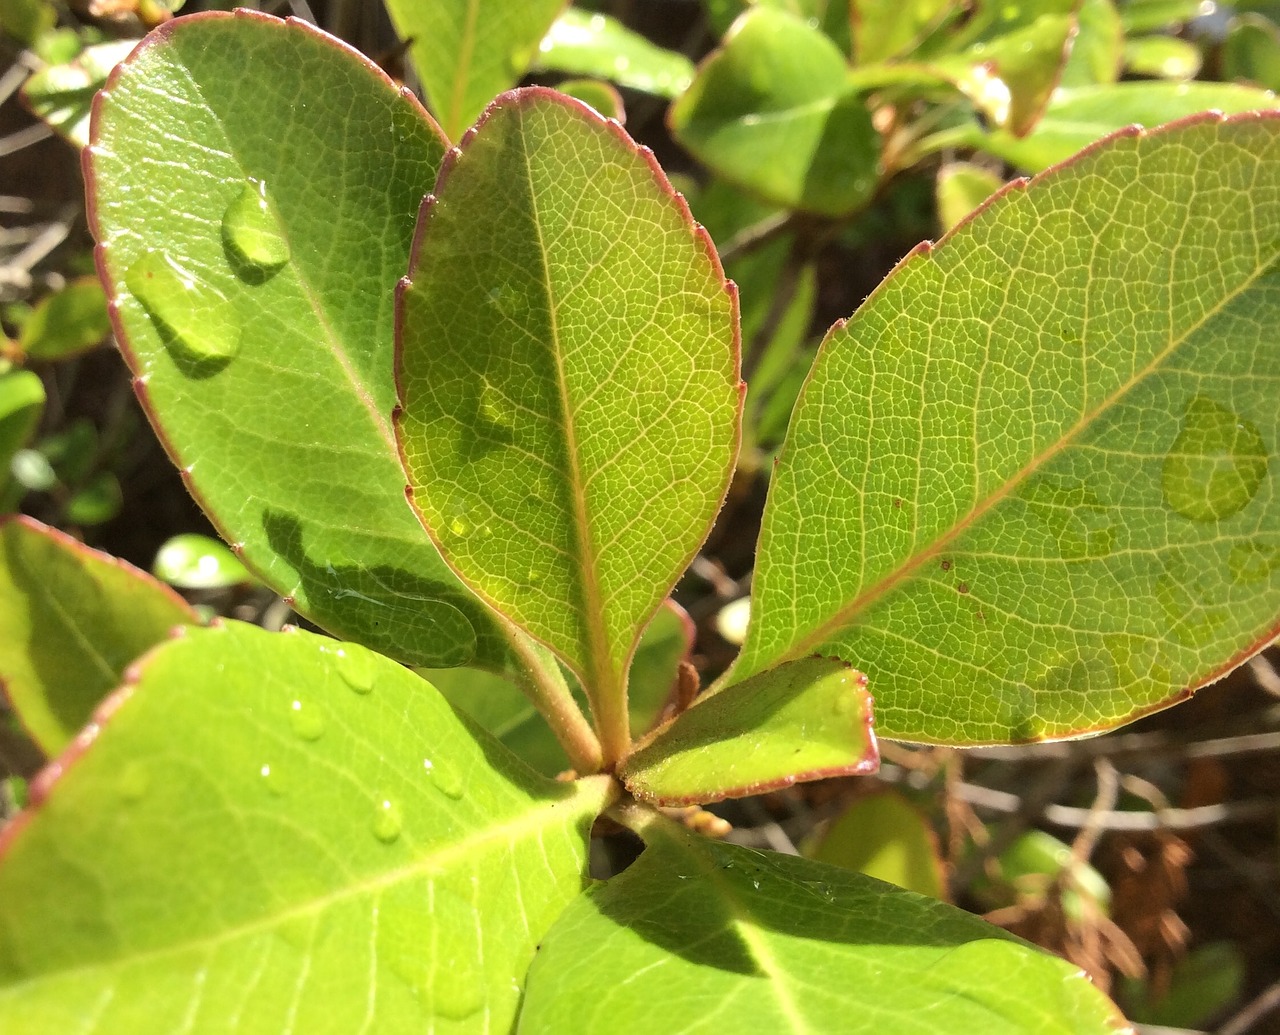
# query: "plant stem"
{"points": [[541, 680]]}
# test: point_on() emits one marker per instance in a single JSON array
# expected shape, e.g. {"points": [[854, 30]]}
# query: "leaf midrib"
{"points": [[825, 631], [597, 789]]}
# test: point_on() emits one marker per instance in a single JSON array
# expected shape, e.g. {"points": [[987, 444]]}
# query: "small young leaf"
{"points": [[1251, 51], [66, 322], [1098, 48], [271, 382], [192, 561], [466, 51], [884, 836], [583, 43], [63, 94], [1072, 518], [568, 375], [21, 401], [805, 720], [778, 87], [279, 832], [961, 188], [71, 621], [702, 937], [1162, 56]]}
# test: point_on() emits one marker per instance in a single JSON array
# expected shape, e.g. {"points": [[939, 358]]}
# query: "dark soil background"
{"points": [[1179, 811]]}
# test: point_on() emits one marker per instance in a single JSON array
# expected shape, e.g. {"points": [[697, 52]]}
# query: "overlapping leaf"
{"points": [[280, 832], [467, 51], [254, 187], [1048, 503], [71, 621], [585, 43], [696, 929], [568, 378], [805, 720], [778, 88]]}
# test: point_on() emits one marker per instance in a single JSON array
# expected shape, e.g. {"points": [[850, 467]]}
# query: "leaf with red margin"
{"points": [[285, 437], [805, 720], [71, 620], [568, 376], [268, 832], [1050, 503]]}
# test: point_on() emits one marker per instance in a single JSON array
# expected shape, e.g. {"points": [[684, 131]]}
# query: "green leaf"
{"points": [[1201, 985], [62, 94], [96, 501], [192, 561], [21, 402], [805, 720], [1163, 56], [279, 832], [1015, 54], [498, 705], [71, 621], [568, 379], [466, 51], [69, 321], [27, 20], [888, 29], [1251, 51], [962, 187], [1153, 15], [778, 87], [1069, 521], [702, 937], [884, 836], [1077, 118], [1034, 867], [1098, 48], [599, 95], [583, 43], [271, 382]]}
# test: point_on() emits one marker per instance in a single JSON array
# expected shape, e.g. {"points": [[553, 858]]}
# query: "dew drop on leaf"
{"points": [[355, 667], [270, 779], [194, 319], [251, 228], [1216, 464], [443, 780], [387, 822], [306, 721]]}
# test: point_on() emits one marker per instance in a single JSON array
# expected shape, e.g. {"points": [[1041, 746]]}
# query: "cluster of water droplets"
{"points": [[197, 321]]}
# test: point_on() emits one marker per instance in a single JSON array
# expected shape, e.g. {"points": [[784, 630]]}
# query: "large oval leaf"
{"points": [[282, 833], [703, 937], [254, 185], [1028, 488], [568, 374]]}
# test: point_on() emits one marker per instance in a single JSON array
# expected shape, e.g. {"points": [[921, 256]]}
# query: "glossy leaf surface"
{"points": [[699, 936], [252, 261], [467, 51], [568, 379], [275, 832], [887, 29], [192, 561], [1162, 56], [778, 88], [1076, 118], [583, 43], [1049, 504], [806, 720], [71, 621], [63, 94]]}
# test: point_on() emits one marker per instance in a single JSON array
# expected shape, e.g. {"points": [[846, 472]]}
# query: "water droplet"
{"points": [[1216, 465], [196, 319], [356, 667], [135, 781], [443, 780], [386, 821], [270, 779], [1253, 562], [252, 228], [306, 720], [457, 991]]}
